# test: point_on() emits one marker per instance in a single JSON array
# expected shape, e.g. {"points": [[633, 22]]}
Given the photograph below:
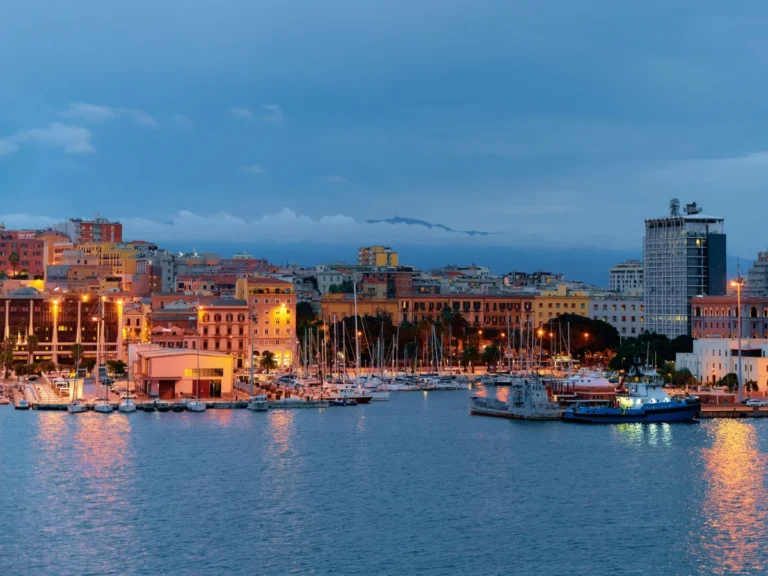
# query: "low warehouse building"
{"points": [[169, 373]]}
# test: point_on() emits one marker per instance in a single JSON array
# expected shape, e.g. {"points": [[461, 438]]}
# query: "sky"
{"points": [[553, 124]]}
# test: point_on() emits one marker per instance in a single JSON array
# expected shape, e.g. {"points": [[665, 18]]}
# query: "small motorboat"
{"points": [[127, 406], [342, 402], [23, 404], [178, 408], [161, 407], [258, 403], [151, 407]]}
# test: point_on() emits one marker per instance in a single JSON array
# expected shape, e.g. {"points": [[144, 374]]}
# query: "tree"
{"points": [[683, 378], [6, 356], [32, 346], [730, 381], [77, 353], [470, 356], [346, 287], [268, 361], [491, 354], [117, 367], [14, 260], [750, 386]]}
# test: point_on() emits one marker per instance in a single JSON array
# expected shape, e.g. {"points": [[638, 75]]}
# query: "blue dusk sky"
{"points": [[552, 123]]}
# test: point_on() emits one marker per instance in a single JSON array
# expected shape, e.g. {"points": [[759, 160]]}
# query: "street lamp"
{"points": [[737, 284], [254, 320]]}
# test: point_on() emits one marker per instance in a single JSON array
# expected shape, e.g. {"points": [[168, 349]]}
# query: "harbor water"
{"points": [[411, 486]]}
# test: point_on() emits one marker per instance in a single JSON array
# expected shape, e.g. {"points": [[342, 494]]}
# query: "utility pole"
{"points": [[254, 319]]}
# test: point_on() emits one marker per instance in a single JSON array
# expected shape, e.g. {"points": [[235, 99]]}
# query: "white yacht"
{"points": [[102, 406], [127, 406], [195, 405], [77, 407], [258, 403]]}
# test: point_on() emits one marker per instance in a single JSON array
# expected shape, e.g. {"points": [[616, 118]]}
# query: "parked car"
{"points": [[754, 403], [32, 378], [125, 395], [108, 381]]}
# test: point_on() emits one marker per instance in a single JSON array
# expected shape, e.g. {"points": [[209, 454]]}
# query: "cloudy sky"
{"points": [[550, 121]]}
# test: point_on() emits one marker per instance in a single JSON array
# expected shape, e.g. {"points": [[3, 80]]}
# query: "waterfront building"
{"points": [[223, 326], [377, 256], [480, 311], [550, 304], [173, 372], [683, 257], [713, 358], [97, 230], [58, 321], [340, 306], [627, 278], [272, 304], [625, 313], [717, 316]]}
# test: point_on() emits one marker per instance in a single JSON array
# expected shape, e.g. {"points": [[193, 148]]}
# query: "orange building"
{"points": [[272, 305], [480, 311], [340, 306]]}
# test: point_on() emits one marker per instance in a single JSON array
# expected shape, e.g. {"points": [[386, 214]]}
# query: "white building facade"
{"points": [[627, 278], [713, 358], [626, 314]]}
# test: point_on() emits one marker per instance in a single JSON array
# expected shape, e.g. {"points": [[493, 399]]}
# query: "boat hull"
{"points": [[678, 412], [500, 409]]}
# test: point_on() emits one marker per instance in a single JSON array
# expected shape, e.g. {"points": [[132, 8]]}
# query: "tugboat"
{"points": [[342, 402], [645, 402], [528, 401]]}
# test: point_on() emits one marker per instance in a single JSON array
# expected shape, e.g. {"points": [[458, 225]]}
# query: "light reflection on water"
{"points": [[424, 486], [735, 508]]}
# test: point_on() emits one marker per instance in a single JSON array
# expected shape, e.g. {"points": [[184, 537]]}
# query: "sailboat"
{"points": [[127, 405], [102, 405], [195, 405]]}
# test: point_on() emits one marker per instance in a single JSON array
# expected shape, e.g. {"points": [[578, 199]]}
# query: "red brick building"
{"points": [[716, 317]]}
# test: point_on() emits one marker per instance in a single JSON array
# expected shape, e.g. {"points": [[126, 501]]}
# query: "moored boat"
{"points": [[195, 405], [342, 402], [77, 407], [127, 406], [528, 401], [23, 404], [258, 403], [645, 402]]}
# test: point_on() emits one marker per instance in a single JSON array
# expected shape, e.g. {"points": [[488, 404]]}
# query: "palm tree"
{"points": [[32, 345], [14, 260], [268, 361], [6, 356], [77, 352]]}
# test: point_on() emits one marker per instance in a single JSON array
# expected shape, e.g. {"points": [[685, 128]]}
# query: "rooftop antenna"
{"points": [[674, 207]]}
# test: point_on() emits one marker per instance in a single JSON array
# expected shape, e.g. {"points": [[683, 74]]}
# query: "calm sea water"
{"points": [[413, 486]]}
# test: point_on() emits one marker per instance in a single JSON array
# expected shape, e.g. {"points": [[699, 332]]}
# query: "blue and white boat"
{"points": [[645, 402]]}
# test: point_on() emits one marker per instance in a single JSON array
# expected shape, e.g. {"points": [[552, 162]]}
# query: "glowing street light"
{"points": [[737, 284]]}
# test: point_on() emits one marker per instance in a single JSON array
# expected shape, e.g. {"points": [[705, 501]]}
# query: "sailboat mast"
{"points": [[357, 336]]}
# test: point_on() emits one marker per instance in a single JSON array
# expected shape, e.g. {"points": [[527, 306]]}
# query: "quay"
{"points": [[733, 411]]}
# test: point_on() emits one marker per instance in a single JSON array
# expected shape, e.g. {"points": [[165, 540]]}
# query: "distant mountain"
{"points": [[425, 224]]}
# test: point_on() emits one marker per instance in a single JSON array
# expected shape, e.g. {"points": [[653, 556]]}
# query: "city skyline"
{"points": [[551, 131]]}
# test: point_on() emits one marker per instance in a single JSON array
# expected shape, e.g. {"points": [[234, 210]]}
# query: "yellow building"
{"points": [[120, 257], [272, 305], [378, 256], [549, 304], [340, 306]]}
